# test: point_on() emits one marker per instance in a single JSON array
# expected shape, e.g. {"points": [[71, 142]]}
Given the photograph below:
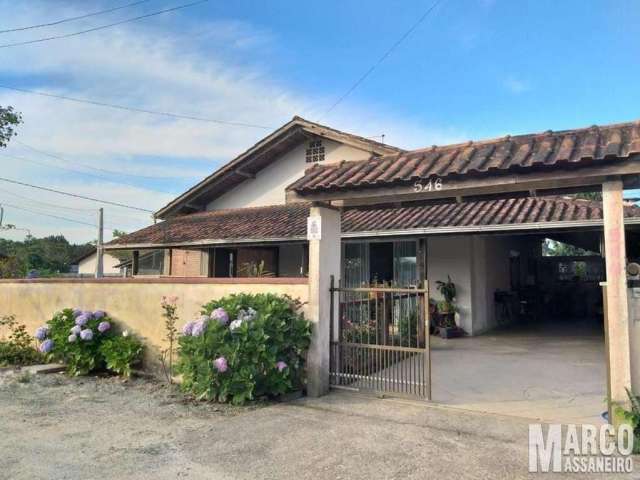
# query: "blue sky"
{"points": [[473, 69]]}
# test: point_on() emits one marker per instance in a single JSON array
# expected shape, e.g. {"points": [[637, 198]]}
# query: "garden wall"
{"points": [[133, 302]]}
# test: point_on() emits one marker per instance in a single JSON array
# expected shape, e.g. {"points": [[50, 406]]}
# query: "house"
{"points": [[249, 218], [85, 265]]}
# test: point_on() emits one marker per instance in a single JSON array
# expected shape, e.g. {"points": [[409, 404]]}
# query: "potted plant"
{"points": [[447, 309]]}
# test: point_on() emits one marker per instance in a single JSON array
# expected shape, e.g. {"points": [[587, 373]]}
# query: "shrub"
{"points": [[244, 347], [77, 338], [633, 418], [120, 353], [18, 346]]}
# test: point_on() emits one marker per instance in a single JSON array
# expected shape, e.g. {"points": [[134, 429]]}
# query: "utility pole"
{"points": [[99, 255]]}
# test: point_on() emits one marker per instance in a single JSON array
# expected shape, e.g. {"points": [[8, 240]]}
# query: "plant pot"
{"points": [[447, 319], [449, 332]]}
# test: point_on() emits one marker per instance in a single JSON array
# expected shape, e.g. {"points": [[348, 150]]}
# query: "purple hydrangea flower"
{"points": [[220, 315], [46, 346], [77, 312], [220, 364], [98, 314], [198, 328], [187, 328], [88, 314], [41, 332], [76, 329], [103, 326], [82, 320], [72, 338], [281, 365], [86, 334]]}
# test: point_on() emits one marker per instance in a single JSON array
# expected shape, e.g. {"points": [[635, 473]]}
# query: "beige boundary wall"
{"points": [[134, 302]]}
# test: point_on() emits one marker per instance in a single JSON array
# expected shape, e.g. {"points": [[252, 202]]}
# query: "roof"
{"points": [[239, 224], [82, 256], [260, 155], [522, 153], [289, 222]]}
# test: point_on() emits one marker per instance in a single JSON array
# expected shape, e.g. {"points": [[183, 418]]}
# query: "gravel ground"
{"points": [[54, 427]]}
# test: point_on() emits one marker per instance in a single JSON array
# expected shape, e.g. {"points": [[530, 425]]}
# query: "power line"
{"points": [[70, 19], [51, 215], [102, 27], [383, 57], [107, 202], [84, 210], [103, 170], [137, 110], [105, 179]]}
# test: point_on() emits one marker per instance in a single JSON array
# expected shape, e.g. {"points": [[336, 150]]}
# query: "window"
{"points": [[315, 152], [151, 263]]}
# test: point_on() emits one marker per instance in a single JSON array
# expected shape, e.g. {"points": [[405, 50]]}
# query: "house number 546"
{"points": [[431, 185]]}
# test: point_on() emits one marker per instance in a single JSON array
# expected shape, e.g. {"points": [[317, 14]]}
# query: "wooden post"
{"points": [[135, 262], [617, 312]]}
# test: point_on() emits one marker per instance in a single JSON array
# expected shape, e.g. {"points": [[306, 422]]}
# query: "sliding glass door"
{"points": [[379, 262]]}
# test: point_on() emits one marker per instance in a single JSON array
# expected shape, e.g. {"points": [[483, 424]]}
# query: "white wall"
{"points": [[268, 188], [452, 256], [478, 265], [88, 265]]}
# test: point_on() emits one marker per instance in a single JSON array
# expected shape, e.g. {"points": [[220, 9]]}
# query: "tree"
{"points": [[122, 255], [9, 120], [597, 196], [48, 256]]}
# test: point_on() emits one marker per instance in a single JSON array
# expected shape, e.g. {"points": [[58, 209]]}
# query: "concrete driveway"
{"points": [[554, 371], [57, 428]]}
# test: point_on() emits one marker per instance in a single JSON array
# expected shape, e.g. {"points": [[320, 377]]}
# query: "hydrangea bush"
{"points": [[243, 347], [86, 341]]}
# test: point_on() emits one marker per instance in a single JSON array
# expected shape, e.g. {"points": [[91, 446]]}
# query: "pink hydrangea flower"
{"points": [[281, 365], [220, 364]]}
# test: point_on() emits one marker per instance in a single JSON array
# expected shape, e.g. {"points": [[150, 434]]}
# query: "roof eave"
{"points": [[297, 122]]}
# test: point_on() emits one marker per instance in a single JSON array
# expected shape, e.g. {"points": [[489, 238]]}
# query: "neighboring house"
{"points": [[86, 264], [249, 219]]}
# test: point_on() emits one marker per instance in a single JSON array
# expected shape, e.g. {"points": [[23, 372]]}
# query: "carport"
{"points": [[553, 163]]}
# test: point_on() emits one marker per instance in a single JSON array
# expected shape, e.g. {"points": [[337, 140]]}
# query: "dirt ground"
{"points": [[53, 427]]}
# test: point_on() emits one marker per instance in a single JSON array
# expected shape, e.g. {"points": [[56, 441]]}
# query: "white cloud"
{"points": [[206, 70], [516, 85]]}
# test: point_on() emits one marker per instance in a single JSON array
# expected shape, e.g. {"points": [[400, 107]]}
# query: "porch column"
{"points": [[324, 261], [617, 313]]}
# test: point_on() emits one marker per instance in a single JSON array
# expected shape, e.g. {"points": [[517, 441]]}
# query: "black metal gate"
{"points": [[380, 340]]}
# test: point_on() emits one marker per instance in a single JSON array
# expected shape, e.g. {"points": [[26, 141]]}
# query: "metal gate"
{"points": [[380, 340]]}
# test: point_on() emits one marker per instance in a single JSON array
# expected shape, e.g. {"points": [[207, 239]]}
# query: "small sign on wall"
{"points": [[314, 228]]}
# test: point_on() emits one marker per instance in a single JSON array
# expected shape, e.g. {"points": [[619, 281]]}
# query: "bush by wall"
{"points": [[17, 347], [244, 347], [87, 341]]}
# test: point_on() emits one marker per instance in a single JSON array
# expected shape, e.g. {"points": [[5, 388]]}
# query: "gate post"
{"points": [[617, 312], [324, 262]]}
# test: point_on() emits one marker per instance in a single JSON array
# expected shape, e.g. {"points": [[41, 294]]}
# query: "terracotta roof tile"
{"points": [[290, 221], [536, 151]]}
